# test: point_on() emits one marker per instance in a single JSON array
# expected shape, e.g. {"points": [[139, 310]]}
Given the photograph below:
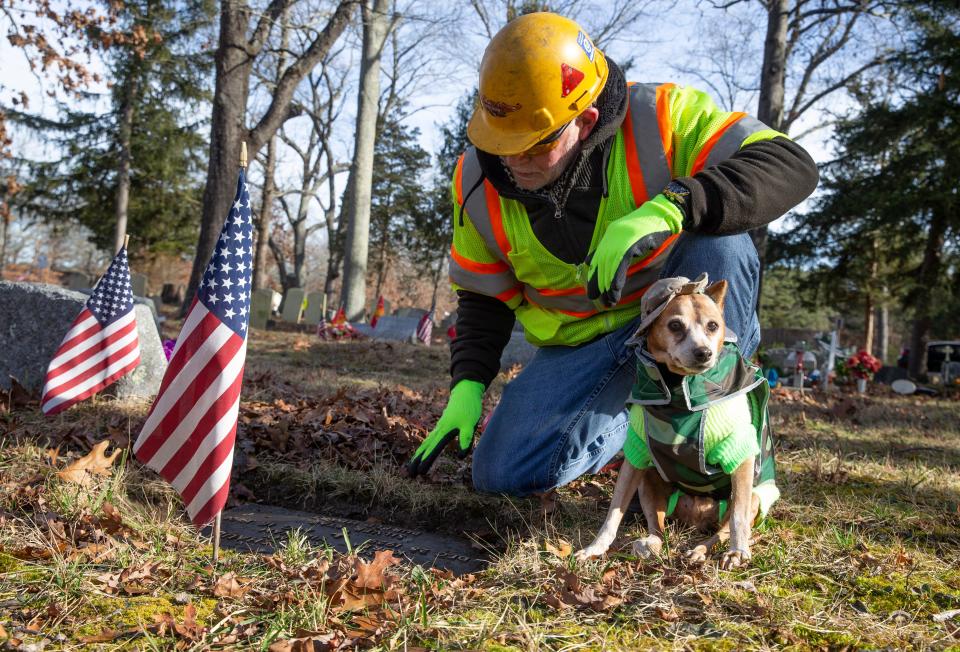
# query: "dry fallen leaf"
{"points": [[563, 549], [228, 587], [372, 575], [94, 462]]}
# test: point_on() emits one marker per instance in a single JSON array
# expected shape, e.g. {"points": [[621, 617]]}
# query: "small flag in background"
{"points": [[101, 345], [377, 313], [189, 434], [425, 327]]}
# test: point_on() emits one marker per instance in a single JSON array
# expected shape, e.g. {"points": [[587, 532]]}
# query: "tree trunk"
{"points": [[883, 333], [123, 169], [234, 63], [266, 216], [868, 323], [922, 295], [233, 66], [375, 31], [772, 91], [3, 243]]}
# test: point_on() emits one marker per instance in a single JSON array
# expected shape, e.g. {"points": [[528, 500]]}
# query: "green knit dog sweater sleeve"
{"points": [[635, 447], [729, 435]]}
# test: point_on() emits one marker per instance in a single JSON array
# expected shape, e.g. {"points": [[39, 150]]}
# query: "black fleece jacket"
{"points": [[752, 188]]}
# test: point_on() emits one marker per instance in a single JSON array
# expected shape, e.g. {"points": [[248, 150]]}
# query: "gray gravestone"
{"points": [[35, 317], [261, 307], [76, 280], [389, 327], [411, 313], [261, 528], [139, 284], [517, 351], [293, 305], [314, 312]]}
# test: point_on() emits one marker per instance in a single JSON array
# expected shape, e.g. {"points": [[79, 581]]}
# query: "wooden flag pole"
{"points": [[243, 154], [126, 240]]}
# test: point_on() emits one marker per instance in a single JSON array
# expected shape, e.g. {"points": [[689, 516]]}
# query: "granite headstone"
{"points": [[390, 327], [314, 312], [33, 320], [293, 305]]}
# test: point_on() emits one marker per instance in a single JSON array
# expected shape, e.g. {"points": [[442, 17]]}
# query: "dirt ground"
{"points": [[861, 551]]}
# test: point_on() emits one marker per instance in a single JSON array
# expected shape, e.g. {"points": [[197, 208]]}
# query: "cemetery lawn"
{"points": [[862, 551]]}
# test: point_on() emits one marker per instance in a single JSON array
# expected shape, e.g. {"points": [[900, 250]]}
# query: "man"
{"points": [[580, 190]]}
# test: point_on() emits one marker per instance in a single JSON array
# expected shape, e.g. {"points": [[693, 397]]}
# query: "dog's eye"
{"points": [[676, 325], [712, 326]]}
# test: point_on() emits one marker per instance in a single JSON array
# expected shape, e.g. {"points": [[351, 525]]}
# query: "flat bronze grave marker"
{"points": [[262, 528]]}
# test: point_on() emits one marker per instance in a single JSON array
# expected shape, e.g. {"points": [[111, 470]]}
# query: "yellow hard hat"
{"points": [[537, 74]]}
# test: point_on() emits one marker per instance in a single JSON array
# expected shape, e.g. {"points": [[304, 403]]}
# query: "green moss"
{"points": [[820, 637], [9, 563], [884, 594], [119, 612]]}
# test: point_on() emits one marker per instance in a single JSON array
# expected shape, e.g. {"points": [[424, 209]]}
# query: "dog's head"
{"points": [[689, 330]]}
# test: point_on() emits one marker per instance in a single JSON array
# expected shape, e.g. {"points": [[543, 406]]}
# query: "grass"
{"points": [[860, 553]]}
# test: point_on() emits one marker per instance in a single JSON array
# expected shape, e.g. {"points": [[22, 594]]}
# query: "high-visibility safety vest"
{"points": [[669, 131]]}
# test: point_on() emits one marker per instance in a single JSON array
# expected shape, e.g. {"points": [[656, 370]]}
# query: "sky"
{"points": [[672, 53]]}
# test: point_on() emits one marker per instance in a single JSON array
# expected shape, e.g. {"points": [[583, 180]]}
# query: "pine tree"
{"points": [[889, 220], [155, 100]]}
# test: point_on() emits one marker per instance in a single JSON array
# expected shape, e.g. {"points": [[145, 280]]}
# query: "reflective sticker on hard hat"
{"points": [[585, 43], [497, 109], [571, 78]]}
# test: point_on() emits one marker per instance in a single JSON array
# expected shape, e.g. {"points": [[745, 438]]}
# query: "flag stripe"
{"points": [[219, 482], [69, 350], [97, 374], [215, 447], [167, 401], [206, 411], [189, 340], [82, 327], [93, 355], [116, 371], [197, 396]]}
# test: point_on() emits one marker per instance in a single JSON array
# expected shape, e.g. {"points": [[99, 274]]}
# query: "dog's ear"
{"points": [[718, 292]]}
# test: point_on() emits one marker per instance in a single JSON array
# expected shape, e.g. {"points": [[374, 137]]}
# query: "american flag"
{"points": [[425, 328], [100, 346], [189, 434]]}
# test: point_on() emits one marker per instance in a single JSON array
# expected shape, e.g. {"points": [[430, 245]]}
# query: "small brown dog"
{"points": [[699, 433]]}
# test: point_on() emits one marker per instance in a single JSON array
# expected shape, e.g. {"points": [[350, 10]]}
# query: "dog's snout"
{"points": [[703, 354]]}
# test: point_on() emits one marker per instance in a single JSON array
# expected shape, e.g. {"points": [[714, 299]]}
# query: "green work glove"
{"points": [[459, 419], [631, 236]]}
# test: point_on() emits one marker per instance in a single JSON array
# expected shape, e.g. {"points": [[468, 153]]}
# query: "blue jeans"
{"points": [[564, 414]]}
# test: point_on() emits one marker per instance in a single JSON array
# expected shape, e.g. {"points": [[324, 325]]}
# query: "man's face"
{"points": [[535, 172]]}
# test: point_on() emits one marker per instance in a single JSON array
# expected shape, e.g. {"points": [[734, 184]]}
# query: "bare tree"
{"points": [[269, 168], [318, 169], [237, 51]]}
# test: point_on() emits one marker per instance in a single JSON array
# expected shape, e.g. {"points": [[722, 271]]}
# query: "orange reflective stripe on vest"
{"points": [[732, 138], [708, 146]]}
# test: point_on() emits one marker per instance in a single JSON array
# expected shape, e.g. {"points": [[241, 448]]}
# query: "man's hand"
{"points": [[459, 420], [635, 235]]}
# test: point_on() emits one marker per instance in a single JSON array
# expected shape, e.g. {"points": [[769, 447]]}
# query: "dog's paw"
{"points": [[697, 554], [647, 547], [591, 551], [735, 558]]}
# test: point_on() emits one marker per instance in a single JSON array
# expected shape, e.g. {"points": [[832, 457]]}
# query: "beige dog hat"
{"points": [[661, 293]]}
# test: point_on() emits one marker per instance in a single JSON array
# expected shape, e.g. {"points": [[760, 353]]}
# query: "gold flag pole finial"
{"points": [[243, 154], [126, 241]]}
